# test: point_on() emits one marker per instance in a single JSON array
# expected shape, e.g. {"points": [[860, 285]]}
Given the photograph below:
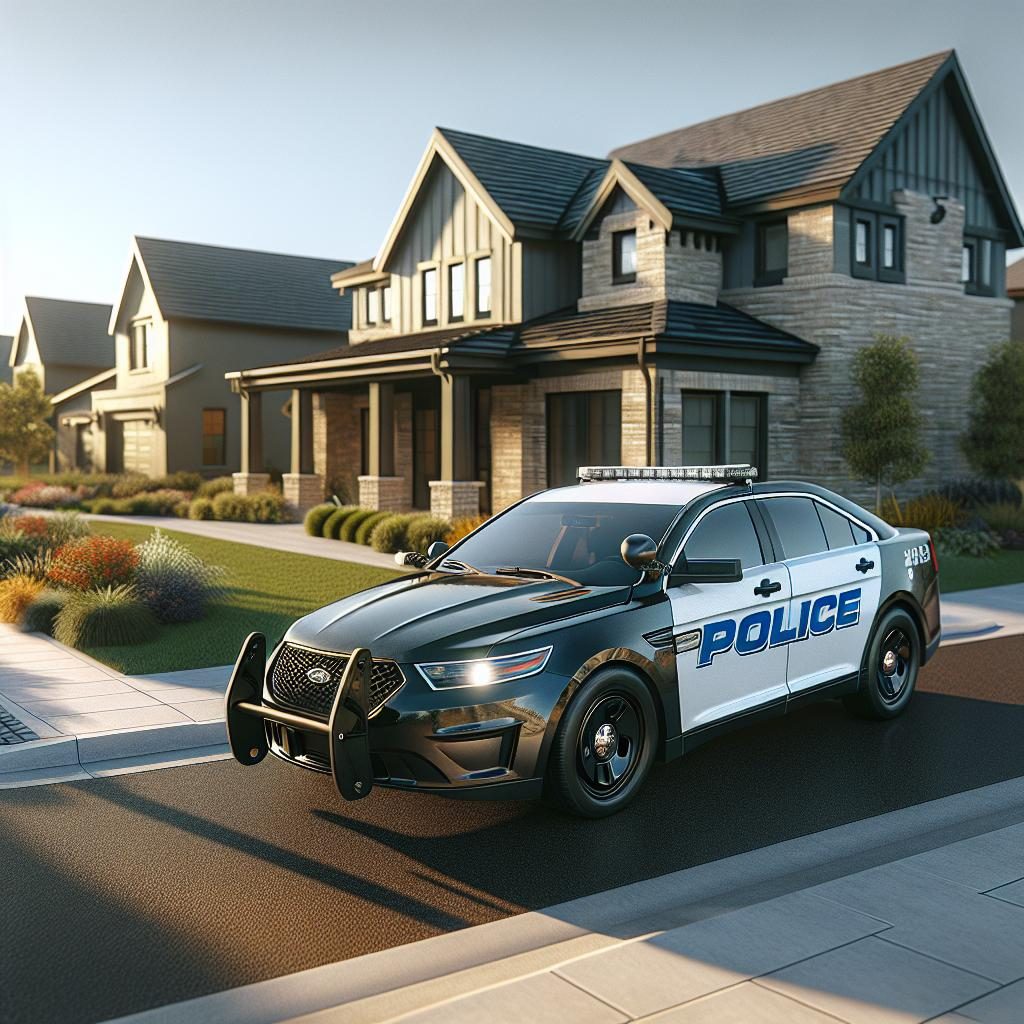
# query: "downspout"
{"points": [[641, 358]]}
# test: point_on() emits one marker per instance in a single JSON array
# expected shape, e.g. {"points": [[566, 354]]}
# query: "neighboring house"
{"points": [[67, 346], [1015, 291], [696, 298], [6, 374], [187, 313]]}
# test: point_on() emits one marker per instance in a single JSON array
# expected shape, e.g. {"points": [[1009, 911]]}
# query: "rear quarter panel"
{"points": [[909, 575]]}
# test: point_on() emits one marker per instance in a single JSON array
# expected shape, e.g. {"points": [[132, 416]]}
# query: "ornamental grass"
{"points": [[16, 594], [110, 617]]}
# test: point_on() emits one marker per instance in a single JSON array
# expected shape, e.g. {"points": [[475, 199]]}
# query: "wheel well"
{"points": [[912, 608]]}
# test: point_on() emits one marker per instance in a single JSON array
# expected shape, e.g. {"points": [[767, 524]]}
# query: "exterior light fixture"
{"points": [[939, 213]]}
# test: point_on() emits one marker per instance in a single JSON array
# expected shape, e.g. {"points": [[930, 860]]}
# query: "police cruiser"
{"points": [[590, 630]]}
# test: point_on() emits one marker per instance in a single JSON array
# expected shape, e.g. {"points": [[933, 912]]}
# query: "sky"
{"points": [[296, 127]]}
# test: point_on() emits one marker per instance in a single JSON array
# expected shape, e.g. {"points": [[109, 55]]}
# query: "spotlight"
{"points": [[939, 212]]}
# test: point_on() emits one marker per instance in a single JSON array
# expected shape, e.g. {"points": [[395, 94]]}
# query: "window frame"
{"points": [[877, 223], [139, 328], [424, 273], [767, 556], [385, 304], [590, 397], [453, 317], [618, 276], [980, 266], [763, 275], [720, 398], [482, 313], [223, 436], [371, 311]]}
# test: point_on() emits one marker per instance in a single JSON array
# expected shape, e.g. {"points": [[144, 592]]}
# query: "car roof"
{"points": [[632, 492]]}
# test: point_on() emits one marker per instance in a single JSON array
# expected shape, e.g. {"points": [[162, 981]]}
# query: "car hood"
{"points": [[434, 616]]}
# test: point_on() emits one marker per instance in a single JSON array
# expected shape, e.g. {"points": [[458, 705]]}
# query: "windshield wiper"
{"points": [[533, 574]]}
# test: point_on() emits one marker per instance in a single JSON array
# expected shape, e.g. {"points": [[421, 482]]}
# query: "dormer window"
{"points": [[624, 257], [456, 292], [483, 286], [372, 306], [385, 304], [429, 297]]}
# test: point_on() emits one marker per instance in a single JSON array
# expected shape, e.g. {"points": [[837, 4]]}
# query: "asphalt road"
{"points": [[140, 890]]}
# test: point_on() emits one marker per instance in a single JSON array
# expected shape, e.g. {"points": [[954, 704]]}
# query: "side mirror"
{"points": [[436, 550], [639, 552], [707, 570], [411, 558]]}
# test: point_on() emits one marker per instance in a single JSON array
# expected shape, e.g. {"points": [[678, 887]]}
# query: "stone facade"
{"points": [[303, 490], [337, 448], [384, 493], [455, 499], [250, 483]]}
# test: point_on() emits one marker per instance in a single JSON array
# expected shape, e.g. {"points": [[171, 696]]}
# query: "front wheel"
{"points": [[891, 663], [604, 746]]}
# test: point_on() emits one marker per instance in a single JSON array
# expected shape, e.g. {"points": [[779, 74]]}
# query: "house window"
{"points": [[456, 291], [483, 286], [583, 428], [977, 269], [429, 297], [372, 306], [623, 257], [214, 423], [385, 303], [967, 263], [862, 242], [889, 246], [138, 353], [877, 246], [724, 426], [772, 252]]}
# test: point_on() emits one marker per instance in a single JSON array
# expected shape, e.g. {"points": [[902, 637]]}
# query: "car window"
{"points": [[838, 529], [726, 532], [797, 525], [860, 535]]}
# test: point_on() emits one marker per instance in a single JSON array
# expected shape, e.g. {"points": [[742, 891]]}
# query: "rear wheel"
{"points": [[891, 663], [604, 746]]}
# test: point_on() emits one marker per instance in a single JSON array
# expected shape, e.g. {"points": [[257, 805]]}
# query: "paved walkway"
{"points": [[981, 614]]}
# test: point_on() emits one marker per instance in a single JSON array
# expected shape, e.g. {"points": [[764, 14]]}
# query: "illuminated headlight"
{"points": [[446, 675]]}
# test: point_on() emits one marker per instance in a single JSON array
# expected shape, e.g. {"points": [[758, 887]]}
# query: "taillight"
{"points": [[935, 557]]}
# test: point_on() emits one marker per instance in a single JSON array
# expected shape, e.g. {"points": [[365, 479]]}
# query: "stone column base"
{"points": [[251, 483], [384, 493], [455, 499], [303, 490]]}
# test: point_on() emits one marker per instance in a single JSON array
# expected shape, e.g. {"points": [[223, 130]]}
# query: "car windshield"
{"points": [[577, 539]]}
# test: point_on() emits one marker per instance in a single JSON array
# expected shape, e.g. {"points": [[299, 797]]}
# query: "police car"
{"points": [[591, 630]]}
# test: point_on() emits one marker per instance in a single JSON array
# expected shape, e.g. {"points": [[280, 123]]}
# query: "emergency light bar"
{"points": [[589, 474]]}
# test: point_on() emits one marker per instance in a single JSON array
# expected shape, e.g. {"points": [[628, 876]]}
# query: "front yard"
{"points": [[267, 591], [959, 572]]}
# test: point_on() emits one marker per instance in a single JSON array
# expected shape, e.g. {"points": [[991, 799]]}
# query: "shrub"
{"points": [[104, 618], [268, 507], [973, 543], [47, 496], [462, 527], [174, 583], [992, 441], [32, 526], [424, 530], [94, 562], [36, 565], [365, 528], [317, 516], [200, 508], [930, 512], [16, 594], [336, 520], [130, 485], [352, 523], [230, 506], [971, 493], [1007, 520], [211, 488], [390, 533], [14, 543], [65, 526], [42, 610]]}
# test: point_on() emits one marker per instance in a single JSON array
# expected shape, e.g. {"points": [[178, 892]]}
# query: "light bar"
{"points": [[589, 474]]}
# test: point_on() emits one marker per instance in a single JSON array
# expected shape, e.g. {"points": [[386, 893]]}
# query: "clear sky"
{"points": [[296, 127]]}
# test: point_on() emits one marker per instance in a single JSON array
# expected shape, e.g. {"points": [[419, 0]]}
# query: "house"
{"points": [[186, 314], [693, 298], [67, 346], [1015, 291], [6, 343]]}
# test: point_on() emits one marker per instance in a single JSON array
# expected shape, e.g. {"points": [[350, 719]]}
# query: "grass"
{"points": [[268, 590], [958, 572]]}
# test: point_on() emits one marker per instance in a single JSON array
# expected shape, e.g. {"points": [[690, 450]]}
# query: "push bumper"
{"points": [[345, 733]]}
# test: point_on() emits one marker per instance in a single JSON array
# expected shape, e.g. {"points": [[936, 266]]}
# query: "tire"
{"points": [[892, 659], [594, 779]]}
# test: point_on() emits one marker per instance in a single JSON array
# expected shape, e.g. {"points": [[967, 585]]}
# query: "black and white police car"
{"points": [[588, 631]]}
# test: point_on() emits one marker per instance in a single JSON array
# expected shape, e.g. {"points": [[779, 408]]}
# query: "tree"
{"points": [[25, 434], [881, 433], [994, 439]]}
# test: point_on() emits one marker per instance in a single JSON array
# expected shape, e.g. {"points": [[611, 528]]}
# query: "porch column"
{"points": [[456, 494], [251, 479], [380, 488], [302, 487]]}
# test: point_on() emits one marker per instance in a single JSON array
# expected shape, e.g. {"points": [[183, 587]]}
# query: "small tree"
{"points": [[994, 439], [25, 434], [881, 433]]}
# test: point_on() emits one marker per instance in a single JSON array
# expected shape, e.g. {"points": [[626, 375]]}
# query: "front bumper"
{"points": [[441, 741]]}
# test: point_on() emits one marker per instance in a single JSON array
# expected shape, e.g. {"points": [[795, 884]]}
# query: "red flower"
{"points": [[30, 526], [94, 562]]}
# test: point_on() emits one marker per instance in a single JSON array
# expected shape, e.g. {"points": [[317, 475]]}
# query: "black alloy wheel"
{"points": [[609, 744], [888, 675]]}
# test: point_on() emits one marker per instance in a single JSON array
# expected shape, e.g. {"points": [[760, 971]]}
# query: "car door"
{"points": [[835, 572], [726, 662]]}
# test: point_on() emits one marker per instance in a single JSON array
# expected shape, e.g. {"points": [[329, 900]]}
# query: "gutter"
{"points": [[641, 358]]}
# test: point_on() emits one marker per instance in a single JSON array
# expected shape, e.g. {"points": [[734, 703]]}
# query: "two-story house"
{"points": [[694, 298], [66, 345], [186, 314]]}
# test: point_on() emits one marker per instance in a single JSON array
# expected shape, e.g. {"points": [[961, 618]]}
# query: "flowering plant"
{"points": [[94, 562]]}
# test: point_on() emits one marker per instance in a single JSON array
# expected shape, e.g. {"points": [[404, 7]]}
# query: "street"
{"points": [[139, 890]]}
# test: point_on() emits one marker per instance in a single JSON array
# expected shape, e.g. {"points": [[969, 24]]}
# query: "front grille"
{"points": [[291, 686]]}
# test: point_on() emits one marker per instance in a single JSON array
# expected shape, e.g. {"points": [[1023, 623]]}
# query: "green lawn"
{"points": [[268, 591], [957, 572]]}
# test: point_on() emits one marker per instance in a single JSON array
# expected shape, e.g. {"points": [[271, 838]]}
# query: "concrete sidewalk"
{"points": [[909, 916], [982, 614]]}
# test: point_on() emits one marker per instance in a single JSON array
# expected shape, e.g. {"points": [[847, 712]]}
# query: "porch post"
{"points": [[380, 488], [456, 494], [251, 479], [302, 487]]}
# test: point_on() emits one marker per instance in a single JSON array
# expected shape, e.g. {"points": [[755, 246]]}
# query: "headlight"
{"points": [[446, 675]]}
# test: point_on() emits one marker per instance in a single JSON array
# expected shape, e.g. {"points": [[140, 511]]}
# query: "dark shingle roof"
{"points": [[685, 191], [71, 333], [6, 341], [1015, 277], [211, 282], [533, 186], [815, 139]]}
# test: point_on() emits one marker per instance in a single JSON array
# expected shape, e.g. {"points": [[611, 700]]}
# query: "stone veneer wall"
{"points": [[950, 331]]}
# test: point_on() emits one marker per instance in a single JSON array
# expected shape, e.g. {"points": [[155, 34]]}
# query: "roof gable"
{"points": [[1015, 278], [70, 333]]}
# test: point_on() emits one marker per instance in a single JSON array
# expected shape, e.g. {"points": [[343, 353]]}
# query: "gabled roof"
{"points": [[70, 333], [684, 191], [1015, 279], [814, 140], [243, 286]]}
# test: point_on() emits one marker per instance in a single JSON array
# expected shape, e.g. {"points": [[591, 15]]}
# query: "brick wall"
{"points": [[337, 441]]}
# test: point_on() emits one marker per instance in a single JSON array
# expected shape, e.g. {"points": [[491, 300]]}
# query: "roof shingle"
{"points": [[1015, 279], [71, 333]]}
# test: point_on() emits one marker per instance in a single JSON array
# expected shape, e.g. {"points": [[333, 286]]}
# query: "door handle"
{"points": [[863, 565], [766, 587]]}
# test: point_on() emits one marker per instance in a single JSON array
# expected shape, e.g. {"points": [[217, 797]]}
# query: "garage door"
{"points": [[138, 447]]}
